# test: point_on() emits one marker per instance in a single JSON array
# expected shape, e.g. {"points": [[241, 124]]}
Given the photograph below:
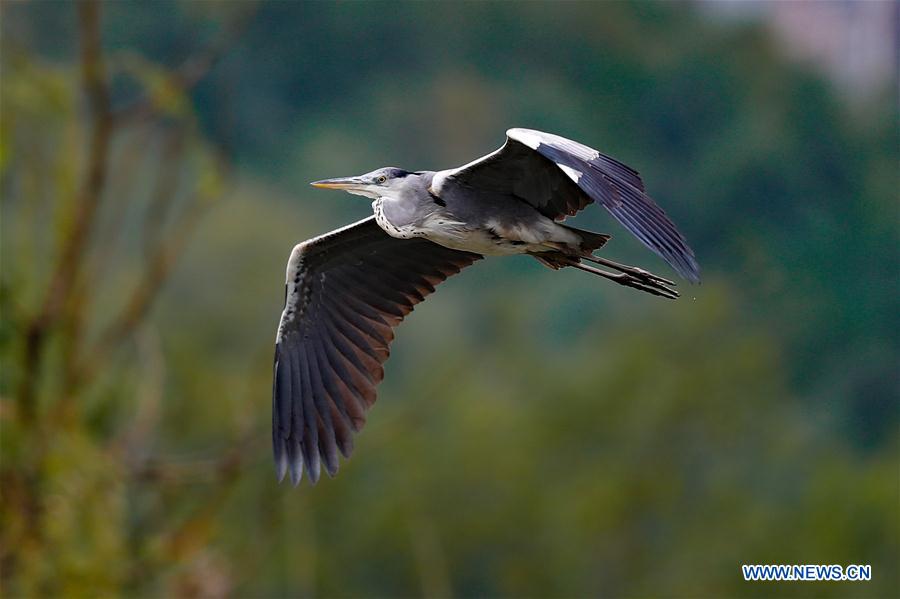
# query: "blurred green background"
{"points": [[539, 433]]}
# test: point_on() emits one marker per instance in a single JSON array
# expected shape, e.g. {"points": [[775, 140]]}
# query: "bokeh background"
{"points": [[539, 433]]}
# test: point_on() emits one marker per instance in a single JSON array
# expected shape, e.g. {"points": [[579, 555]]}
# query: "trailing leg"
{"points": [[628, 276], [639, 273], [629, 280]]}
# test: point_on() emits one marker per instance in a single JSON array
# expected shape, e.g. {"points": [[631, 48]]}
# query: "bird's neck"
{"points": [[398, 211]]}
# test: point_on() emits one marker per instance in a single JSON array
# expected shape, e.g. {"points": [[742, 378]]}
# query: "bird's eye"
{"points": [[381, 179]]}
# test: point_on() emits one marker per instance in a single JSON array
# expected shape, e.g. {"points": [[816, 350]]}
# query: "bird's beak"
{"points": [[345, 183]]}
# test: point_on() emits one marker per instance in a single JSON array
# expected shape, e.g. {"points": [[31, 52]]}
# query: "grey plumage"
{"points": [[348, 289]]}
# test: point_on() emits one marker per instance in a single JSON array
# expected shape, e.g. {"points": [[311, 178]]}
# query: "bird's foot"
{"points": [[638, 273], [651, 284]]}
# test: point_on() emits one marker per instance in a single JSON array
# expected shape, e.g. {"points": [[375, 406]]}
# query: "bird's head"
{"points": [[373, 185]]}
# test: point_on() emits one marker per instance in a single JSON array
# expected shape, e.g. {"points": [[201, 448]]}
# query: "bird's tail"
{"points": [[590, 241]]}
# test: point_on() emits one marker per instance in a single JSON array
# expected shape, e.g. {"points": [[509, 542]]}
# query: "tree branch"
{"points": [[194, 68], [158, 266], [72, 249]]}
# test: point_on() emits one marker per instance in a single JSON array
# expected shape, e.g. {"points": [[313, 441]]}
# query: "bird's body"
{"points": [[348, 289], [491, 224]]}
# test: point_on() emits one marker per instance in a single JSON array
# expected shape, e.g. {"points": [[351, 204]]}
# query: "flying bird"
{"points": [[346, 290]]}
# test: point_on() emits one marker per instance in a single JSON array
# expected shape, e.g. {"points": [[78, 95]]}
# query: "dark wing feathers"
{"points": [[560, 177], [346, 290]]}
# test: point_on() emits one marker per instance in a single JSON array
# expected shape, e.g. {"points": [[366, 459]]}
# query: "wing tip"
{"points": [[281, 461], [288, 463], [296, 473], [330, 460], [681, 260], [691, 274], [313, 465]]}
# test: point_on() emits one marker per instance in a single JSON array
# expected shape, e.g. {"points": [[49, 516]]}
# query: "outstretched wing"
{"points": [[560, 177], [345, 292]]}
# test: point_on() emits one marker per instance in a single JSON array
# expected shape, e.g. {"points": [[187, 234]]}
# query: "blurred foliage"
{"points": [[538, 434]]}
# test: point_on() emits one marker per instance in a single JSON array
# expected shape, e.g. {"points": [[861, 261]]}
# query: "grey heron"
{"points": [[346, 290]]}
